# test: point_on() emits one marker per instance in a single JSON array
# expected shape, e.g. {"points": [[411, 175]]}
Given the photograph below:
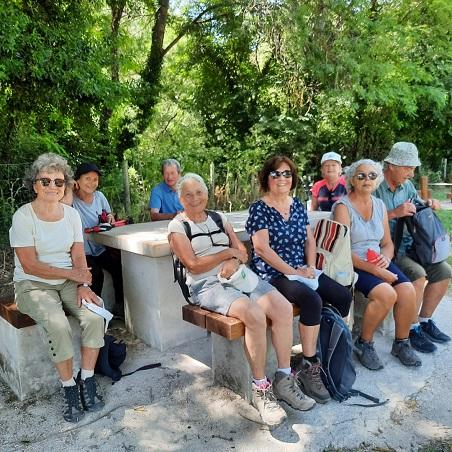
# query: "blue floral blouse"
{"points": [[287, 238]]}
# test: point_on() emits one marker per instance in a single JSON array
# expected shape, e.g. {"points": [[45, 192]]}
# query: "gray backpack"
{"points": [[431, 242]]}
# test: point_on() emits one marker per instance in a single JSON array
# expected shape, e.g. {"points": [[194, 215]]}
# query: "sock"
{"points": [[423, 319], [86, 374], [414, 325], [311, 359], [398, 340], [285, 370], [362, 341], [70, 382], [260, 383]]}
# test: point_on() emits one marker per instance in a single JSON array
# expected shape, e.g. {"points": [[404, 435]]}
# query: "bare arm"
{"points": [[157, 216], [32, 266], [182, 248], [314, 203], [79, 261], [341, 215]]}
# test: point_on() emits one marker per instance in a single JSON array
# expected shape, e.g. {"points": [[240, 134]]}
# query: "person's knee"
{"points": [[310, 311], [384, 295], [255, 317], [281, 306]]}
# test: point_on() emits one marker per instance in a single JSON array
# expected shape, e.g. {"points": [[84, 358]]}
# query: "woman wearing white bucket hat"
{"points": [[218, 281]]}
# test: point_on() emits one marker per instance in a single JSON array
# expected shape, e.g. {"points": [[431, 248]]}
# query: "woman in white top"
{"points": [[214, 252], [381, 281], [51, 273]]}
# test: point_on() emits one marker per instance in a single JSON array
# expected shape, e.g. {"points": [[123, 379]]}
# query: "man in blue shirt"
{"points": [[398, 194], [164, 202]]}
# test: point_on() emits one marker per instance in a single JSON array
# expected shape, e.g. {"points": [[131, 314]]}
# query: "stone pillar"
{"points": [[230, 367]]}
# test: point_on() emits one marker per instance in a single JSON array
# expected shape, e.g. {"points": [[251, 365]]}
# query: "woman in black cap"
{"points": [[93, 205]]}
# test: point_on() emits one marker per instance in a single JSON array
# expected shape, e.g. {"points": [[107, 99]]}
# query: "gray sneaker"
{"points": [[406, 354], [285, 388], [266, 404], [310, 381], [367, 355]]}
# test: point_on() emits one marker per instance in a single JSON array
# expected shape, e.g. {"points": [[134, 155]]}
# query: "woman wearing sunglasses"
{"points": [[283, 245], [51, 274], [385, 286]]}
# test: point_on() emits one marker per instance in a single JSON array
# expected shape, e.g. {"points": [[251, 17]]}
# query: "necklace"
{"points": [[283, 210]]}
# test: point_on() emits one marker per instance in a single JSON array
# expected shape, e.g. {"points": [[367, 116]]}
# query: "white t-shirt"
{"points": [[52, 240], [202, 245]]}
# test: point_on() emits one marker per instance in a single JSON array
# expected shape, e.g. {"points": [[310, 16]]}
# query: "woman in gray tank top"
{"points": [[382, 282]]}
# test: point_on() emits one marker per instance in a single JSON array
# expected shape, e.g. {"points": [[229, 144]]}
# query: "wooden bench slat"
{"points": [[195, 315], [228, 327], [9, 311]]}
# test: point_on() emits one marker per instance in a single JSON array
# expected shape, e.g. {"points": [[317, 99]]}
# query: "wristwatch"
{"points": [[82, 285]]}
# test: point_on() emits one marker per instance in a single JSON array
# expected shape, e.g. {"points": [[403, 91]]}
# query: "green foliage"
{"points": [[244, 80]]}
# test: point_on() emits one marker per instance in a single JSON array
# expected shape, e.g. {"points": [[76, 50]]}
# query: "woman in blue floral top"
{"points": [[283, 244]]}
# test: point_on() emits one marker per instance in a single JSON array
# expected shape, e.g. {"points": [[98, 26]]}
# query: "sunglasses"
{"points": [[276, 174], [45, 182], [363, 176]]}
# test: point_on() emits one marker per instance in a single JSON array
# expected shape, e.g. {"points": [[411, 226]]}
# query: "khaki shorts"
{"points": [[433, 272], [44, 304]]}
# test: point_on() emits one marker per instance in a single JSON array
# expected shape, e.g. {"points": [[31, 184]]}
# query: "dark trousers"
{"points": [[311, 301], [109, 260]]}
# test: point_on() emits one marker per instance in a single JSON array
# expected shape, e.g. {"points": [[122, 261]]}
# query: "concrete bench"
{"points": [[230, 367], [24, 363]]}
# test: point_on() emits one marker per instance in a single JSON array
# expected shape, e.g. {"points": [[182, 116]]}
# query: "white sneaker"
{"points": [[266, 404], [286, 388]]}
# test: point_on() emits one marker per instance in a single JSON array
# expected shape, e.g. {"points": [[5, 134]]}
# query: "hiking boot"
{"points": [[285, 388], [406, 354], [420, 342], [433, 332], [266, 404], [89, 394], [72, 409], [365, 351], [310, 380]]}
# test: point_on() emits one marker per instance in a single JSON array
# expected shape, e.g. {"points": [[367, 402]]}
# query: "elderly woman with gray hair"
{"points": [[212, 256], [381, 281], [51, 275]]}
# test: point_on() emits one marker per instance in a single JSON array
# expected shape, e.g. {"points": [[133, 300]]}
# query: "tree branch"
{"points": [[188, 26]]}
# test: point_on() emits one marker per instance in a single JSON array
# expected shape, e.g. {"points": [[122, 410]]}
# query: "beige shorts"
{"points": [[44, 303]]}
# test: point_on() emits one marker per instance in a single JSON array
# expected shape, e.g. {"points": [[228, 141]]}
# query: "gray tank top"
{"points": [[365, 234]]}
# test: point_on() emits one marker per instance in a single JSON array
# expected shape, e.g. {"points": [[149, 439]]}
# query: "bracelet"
{"points": [[82, 285]]}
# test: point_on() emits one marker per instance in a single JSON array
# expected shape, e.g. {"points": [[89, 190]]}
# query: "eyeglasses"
{"points": [[286, 173], [45, 182], [363, 176]]}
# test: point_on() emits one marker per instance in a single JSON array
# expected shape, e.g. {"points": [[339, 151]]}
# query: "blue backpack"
{"points": [[334, 349]]}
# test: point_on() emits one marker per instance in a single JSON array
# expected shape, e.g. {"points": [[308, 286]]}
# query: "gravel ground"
{"points": [[176, 407]]}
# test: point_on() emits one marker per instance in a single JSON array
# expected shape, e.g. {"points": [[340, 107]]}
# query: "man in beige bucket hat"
{"points": [[399, 194]]}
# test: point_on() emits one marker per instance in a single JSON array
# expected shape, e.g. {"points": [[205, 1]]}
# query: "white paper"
{"points": [[99, 310], [312, 283]]}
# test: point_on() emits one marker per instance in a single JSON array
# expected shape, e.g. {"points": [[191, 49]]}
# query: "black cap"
{"points": [[86, 168]]}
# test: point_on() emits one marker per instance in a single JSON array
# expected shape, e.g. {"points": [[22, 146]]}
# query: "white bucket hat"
{"points": [[403, 154], [331, 156], [243, 279]]}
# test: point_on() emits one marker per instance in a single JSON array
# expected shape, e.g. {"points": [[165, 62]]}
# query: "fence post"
{"points": [[424, 187]]}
